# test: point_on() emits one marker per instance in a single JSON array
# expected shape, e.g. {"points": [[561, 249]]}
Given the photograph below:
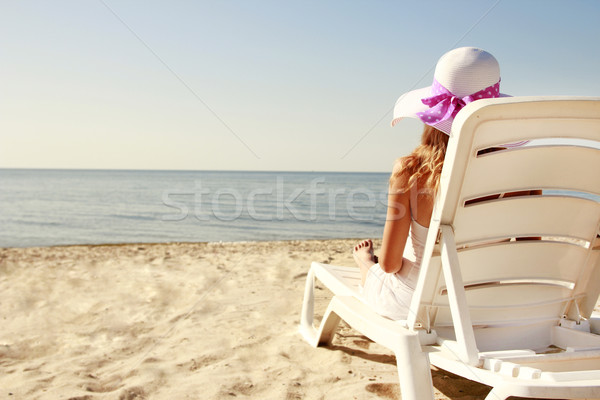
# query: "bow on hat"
{"points": [[444, 105]]}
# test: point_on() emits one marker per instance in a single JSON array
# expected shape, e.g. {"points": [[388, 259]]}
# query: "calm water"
{"points": [[56, 207]]}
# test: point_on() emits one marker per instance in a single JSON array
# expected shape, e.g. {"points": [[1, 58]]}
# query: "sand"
{"points": [[182, 321]]}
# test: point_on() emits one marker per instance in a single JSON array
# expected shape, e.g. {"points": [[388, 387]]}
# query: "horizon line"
{"points": [[188, 170]]}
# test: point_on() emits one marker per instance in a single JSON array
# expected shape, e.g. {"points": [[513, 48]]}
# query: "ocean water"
{"points": [[61, 207]]}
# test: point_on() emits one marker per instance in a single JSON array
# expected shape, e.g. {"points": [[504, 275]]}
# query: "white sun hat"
{"points": [[461, 76]]}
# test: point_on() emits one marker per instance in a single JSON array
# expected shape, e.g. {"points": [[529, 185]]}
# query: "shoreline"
{"points": [[180, 243]]}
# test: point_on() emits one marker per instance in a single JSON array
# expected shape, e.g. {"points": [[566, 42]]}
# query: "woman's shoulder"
{"points": [[407, 172], [402, 165], [400, 174]]}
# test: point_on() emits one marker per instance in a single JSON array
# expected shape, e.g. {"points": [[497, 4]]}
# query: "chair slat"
{"points": [[512, 296], [523, 260], [546, 167], [506, 316], [562, 216], [498, 132], [536, 334]]}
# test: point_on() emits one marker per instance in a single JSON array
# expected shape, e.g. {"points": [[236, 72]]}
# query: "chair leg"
{"points": [[328, 326], [324, 334], [414, 369], [307, 329]]}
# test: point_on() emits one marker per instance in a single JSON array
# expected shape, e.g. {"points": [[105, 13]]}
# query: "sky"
{"points": [[258, 85]]}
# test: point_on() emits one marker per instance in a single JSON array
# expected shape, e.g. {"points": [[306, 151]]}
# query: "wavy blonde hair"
{"points": [[424, 164]]}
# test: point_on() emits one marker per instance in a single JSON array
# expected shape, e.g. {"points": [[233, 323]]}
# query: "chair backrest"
{"points": [[516, 286]]}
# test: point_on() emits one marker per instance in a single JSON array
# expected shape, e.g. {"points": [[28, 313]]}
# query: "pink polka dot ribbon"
{"points": [[444, 105]]}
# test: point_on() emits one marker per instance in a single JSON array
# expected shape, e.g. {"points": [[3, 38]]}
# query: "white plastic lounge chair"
{"points": [[515, 315]]}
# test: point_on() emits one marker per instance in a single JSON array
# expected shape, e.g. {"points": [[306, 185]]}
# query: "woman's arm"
{"points": [[397, 226]]}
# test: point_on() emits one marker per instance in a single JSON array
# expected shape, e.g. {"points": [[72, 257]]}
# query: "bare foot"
{"points": [[364, 257]]}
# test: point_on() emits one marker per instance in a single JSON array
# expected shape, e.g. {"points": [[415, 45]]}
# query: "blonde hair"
{"points": [[424, 164]]}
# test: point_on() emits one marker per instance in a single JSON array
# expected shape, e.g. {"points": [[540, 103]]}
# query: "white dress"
{"points": [[390, 294]]}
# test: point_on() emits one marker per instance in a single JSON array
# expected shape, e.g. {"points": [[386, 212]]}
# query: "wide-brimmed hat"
{"points": [[461, 76]]}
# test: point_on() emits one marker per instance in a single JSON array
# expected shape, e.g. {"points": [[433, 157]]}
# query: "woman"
{"points": [[462, 76]]}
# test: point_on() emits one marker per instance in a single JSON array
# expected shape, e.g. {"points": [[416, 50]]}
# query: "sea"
{"points": [[48, 207]]}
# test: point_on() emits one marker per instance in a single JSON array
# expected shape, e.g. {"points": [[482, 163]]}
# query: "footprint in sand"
{"points": [[200, 362], [294, 392], [244, 388], [133, 393], [385, 390]]}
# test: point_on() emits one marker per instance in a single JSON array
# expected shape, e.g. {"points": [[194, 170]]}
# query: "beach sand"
{"points": [[182, 321]]}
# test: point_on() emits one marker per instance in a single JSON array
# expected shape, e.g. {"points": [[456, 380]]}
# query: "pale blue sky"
{"points": [[291, 85]]}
